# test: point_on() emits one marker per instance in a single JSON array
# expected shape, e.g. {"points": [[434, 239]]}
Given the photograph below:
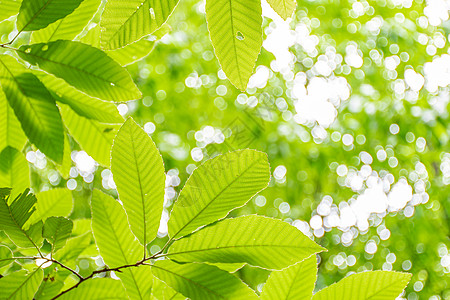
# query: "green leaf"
{"points": [[10, 130], [64, 167], [97, 289], [373, 285], [82, 104], [14, 171], [20, 285], [57, 230], [9, 8], [69, 27], [86, 68], [13, 217], [229, 267], [5, 256], [138, 172], [125, 22], [34, 107], [236, 34], [74, 247], [201, 281], [55, 202], [217, 187], [284, 8], [117, 244], [95, 138], [295, 282], [256, 240], [37, 14], [50, 287], [160, 291]]}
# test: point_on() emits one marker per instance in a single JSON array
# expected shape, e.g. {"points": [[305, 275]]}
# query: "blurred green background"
{"points": [[350, 101]]}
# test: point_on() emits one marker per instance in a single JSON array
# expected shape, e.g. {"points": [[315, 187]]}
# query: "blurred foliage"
{"points": [[386, 126]]}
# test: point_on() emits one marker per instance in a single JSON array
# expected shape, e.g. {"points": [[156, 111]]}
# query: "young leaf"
{"points": [[201, 281], [236, 34], [82, 104], [117, 244], [97, 289], [374, 285], [256, 240], [9, 8], [138, 172], [34, 107], [14, 171], [74, 247], [284, 8], [10, 130], [217, 187], [5, 256], [55, 202], [57, 230], [14, 215], [125, 22], [37, 14], [295, 282], [95, 138], [69, 27], [20, 285], [86, 68]]}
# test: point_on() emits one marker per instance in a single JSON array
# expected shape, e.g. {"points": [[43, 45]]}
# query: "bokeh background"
{"points": [[350, 101]]}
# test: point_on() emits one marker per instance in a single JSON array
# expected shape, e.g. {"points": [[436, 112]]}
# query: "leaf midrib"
{"points": [[23, 283], [238, 246], [36, 15]]}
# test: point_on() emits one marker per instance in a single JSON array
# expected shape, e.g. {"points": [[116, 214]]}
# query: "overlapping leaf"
{"points": [[95, 138], [117, 244], [37, 14], [9, 8], [201, 281], [160, 290], [14, 171], [125, 22], [284, 8], [376, 285], [139, 175], [97, 289], [10, 129], [82, 104], [295, 282], [236, 34], [216, 187], [256, 240], [55, 202], [86, 68], [20, 285], [57, 230], [5, 256], [34, 107], [69, 27]]}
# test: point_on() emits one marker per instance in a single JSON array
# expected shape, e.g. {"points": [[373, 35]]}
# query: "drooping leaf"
{"points": [[13, 217], [10, 130], [34, 107], [236, 34], [217, 187], [82, 104], [201, 281], [9, 8], [69, 27], [20, 285], [54, 202], [64, 167], [160, 290], [95, 138], [14, 171], [138, 172], [57, 230], [37, 14], [5, 256], [97, 289], [86, 68], [373, 285], [125, 22], [295, 282], [256, 240], [284, 8], [117, 244]]}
